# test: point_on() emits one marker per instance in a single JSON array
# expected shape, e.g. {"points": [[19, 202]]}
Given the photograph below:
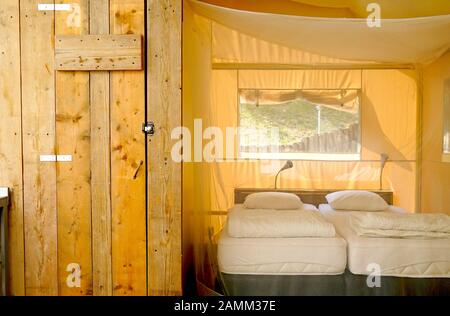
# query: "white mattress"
{"points": [[424, 258], [281, 256]]}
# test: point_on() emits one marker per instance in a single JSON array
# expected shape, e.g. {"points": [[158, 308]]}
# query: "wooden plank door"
{"points": [[85, 216]]}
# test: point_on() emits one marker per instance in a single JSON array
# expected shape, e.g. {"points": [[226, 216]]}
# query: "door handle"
{"points": [[137, 170]]}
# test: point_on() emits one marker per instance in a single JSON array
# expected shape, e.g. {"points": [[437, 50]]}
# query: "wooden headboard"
{"points": [[314, 197]]}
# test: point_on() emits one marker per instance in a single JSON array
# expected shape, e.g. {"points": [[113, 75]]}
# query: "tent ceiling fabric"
{"points": [[390, 9], [413, 41], [288, 7]]}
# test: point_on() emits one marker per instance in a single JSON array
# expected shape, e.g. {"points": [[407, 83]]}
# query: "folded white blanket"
{"points": [[386, 224], [244, 222]]}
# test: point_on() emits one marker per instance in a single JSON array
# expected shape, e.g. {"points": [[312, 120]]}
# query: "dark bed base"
{"points": [[346, 284]]}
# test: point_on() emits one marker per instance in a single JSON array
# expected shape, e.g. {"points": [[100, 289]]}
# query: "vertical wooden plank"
{"points": [[73, 178], [127, 160], [11, 138], [164, 108], [39, 180], [100, 161]]}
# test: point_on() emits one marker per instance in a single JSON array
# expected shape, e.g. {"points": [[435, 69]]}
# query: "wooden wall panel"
{"points": [[11, 138], [92, 210], [164, 107], [127, 160], [101, 161], [73, 178], [38, 116]]}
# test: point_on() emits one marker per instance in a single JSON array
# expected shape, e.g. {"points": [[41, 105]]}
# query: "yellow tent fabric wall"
{"points": [[196, 91], [233, 47], [388, 123], [414, 40], [218, 61], [435, 172], [388, 114]]}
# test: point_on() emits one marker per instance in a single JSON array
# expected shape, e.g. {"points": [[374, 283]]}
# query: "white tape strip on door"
{"points": [[54, 158], [54, 7]]}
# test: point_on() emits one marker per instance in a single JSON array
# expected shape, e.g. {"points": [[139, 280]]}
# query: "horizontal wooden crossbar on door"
{"points": [[98, 52]]}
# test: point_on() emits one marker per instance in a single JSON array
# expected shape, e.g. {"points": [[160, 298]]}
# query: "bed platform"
{"points": [[347, 284]]}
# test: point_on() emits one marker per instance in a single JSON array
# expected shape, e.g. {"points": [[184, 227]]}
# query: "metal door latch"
{"points": [[148, 128]]}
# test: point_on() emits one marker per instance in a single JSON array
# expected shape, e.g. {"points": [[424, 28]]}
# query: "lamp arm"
{"points": [[276, 177], [381, 177], [384, 158]]}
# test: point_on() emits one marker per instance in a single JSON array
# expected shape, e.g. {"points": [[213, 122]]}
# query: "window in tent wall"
{"points": [[299, 124]]}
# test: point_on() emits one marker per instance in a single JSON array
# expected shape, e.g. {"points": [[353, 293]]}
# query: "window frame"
{"points": [[301, 156]]}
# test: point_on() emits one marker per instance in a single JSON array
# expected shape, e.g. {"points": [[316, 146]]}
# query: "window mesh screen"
{"points": [[299, 122]]}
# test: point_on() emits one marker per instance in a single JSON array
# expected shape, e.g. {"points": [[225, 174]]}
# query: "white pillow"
{"points": [[273, 200], [356, 200]]}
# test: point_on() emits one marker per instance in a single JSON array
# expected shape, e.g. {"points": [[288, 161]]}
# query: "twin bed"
{"points": [[400, 257], [281, 256], [331, 265]]}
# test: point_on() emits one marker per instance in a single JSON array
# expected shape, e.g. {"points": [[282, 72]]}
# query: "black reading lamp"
{"points": [[383, 158], [287, 165]]}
